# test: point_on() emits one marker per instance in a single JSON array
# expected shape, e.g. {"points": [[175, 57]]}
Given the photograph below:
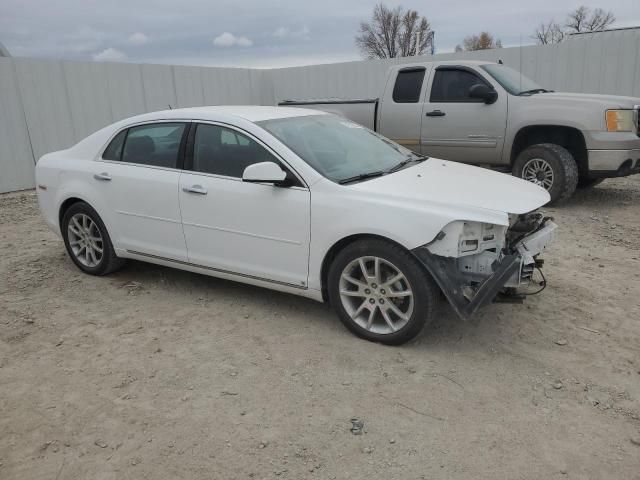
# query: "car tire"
{"points": [[550, 166], [84, 232], [400, 309], [589, 182]]}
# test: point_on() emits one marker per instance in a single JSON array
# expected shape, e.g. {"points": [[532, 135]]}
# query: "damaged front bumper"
{"points": [[512, 268]]}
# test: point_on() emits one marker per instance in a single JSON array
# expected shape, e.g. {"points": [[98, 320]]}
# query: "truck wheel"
{"points": [[381, 292], [549, 166], [589, 182]]}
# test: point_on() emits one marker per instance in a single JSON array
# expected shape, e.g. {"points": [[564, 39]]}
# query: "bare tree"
{"points": [[394, 33], [484, 41], [548, 33], [582, 19]]}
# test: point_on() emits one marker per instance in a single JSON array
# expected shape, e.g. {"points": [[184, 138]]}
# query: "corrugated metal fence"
{"points": [[49, 105]]}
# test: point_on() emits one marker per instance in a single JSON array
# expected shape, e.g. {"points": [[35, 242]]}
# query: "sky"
{"points": [[256, 33]]}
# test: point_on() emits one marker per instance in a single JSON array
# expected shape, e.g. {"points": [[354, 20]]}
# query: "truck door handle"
{"points": [[199, 189], [435, 113], [104, 176]]}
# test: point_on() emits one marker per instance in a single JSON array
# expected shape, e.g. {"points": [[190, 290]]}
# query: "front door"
{"points": [[458, 127], [251, 229]]}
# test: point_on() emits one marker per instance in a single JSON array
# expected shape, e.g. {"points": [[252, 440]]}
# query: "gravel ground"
{"points": [[161, 374]]}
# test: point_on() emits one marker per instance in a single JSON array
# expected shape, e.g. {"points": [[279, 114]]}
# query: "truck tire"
{"points": [[381, 292], [549, 166]]}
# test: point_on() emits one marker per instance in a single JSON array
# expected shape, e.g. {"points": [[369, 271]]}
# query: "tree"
{"points": [[394, 33], [484, 41], [582, 19]]}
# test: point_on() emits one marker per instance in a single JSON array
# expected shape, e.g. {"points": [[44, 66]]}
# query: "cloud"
{"points": [[283, 32], [109, 55], [230, 40], [138, 38]]}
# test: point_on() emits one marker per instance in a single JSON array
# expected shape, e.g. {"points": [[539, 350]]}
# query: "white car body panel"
{"points": [[261, 234]]}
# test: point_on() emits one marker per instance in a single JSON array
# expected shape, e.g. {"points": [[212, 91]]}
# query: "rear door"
{"points": [[249, 229], [137, 177], [401, 109], [458, 127]]}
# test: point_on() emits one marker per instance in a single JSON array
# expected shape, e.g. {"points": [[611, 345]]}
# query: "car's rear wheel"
{"points": [[381, 292], [550, 166], [87, 240]]}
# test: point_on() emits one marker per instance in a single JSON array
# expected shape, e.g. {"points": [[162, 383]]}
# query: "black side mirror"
{"points": [[483, 92]]}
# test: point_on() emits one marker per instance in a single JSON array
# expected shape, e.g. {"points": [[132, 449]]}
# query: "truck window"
{"points": [[408, 85], [452, 85]]}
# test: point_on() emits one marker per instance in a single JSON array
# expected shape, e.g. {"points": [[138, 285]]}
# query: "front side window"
{"points": [[452, 85], [336, 147], [156, 145], [408, 85], [223, 151]]}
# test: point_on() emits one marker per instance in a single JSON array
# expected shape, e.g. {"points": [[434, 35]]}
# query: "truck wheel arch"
{"points": [[570, 138]]}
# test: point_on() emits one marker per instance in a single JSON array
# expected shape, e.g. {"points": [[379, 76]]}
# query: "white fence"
{"points": [[49, 105]]}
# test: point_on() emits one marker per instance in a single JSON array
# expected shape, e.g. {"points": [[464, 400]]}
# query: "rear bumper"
{"points": [[614, 163], [465, 294]]}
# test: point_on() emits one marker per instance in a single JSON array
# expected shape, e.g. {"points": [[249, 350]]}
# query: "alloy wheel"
{"points": [[376, 295], [538, 171], [85, 240]]}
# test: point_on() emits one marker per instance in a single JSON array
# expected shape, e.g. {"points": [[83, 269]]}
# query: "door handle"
{"points": [[435, 113], [199, 189], [104, 176]]}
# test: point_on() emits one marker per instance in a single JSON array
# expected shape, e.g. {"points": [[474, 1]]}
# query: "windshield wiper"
{"points": [[407, 161], [362, 176], [534, 90]]}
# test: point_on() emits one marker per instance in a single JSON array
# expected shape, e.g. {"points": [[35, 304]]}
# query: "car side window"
{"points": [[408, 85], [223, 151], [114, 150], [156, 145], [452, 85]]}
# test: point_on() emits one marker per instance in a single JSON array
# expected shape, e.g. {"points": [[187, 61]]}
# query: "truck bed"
{"points": [[362, 111]]}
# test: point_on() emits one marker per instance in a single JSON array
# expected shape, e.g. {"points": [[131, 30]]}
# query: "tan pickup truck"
{"points": [[489, 114]]}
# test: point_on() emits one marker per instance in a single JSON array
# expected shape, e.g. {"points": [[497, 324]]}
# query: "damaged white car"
{"points": [[298, 201]]}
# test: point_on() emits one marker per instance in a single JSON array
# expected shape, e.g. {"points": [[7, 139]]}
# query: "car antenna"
{"points": [[500, 62], [170, 108]]}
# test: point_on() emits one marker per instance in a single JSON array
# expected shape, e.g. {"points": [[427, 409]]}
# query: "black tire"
{"points": [[589, 182], [425, 291], [562, 163], [109, 262]]}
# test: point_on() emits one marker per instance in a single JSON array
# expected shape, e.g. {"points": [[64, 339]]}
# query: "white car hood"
{"points": [[451, 183]]}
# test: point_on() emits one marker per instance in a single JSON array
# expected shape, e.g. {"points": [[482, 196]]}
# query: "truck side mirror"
{"points": [[483, 92]]}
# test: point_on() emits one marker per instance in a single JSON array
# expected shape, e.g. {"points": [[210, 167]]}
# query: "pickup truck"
{"points": [[488, 114]]}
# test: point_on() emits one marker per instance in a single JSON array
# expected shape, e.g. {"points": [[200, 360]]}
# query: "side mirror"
{"points": [[265, 172], [483, 92]]}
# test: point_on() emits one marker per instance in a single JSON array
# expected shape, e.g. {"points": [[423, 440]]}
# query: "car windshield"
{"points": [[513, 81], [338, 148]]}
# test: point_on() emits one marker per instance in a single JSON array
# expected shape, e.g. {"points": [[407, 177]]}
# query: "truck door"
{"points": [[456, 126], [401, 109]]}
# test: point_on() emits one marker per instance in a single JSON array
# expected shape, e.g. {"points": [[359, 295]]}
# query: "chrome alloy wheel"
{"points": [[538, 171], [376, 295], [85, 240]]}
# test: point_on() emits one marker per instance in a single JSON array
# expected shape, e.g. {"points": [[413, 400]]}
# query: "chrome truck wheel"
{"points": [[538, 171]]}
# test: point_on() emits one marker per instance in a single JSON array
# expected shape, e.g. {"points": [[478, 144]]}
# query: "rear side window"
{"points": [[453, 86], [156, 145], [114, 150], [408, 86], [226, 152]]}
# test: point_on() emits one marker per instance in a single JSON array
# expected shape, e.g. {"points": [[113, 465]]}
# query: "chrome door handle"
{"points": [[199, 189], [104, 176], [435, 113]]}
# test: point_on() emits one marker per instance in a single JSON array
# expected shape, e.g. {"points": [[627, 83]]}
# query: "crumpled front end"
{"points": [[477, 263]]}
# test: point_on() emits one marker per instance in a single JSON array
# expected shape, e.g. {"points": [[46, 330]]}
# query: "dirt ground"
{"points": [[153, 373]]}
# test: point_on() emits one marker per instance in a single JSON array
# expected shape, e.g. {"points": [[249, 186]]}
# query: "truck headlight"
{"points": [[620, 120]]}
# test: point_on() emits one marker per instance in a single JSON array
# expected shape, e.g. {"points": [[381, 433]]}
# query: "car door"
{"points": [[137, 177], [401, 113], [458, 127], [250, 229]]}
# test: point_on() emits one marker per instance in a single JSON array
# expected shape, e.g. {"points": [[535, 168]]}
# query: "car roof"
{"points": [[252, 113]]}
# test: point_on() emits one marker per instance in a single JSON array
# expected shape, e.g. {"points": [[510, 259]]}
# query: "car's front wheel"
{"points": [[87, 240], [381, 292]]}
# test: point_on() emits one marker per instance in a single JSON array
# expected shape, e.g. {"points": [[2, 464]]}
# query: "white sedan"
{"points": [[299, 201]]}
